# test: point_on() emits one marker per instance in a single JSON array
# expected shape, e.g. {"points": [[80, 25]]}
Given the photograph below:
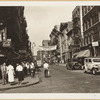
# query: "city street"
{"points": [[62, 81]]}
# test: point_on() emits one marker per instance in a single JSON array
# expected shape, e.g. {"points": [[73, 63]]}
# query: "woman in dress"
{"points": [[10, 71], [19, 69]]}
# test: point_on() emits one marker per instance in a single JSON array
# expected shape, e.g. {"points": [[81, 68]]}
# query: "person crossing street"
{"points": [[46, 69]]}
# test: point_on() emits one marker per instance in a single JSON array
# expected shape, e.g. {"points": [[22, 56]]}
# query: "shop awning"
{"points": [[10, 54], [75, 54], [83, 53]]}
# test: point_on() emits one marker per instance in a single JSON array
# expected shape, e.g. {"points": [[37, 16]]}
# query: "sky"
{"points": [[42, 19]]}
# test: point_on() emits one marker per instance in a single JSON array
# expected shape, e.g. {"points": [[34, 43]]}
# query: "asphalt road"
{"points": [[62, 81]]}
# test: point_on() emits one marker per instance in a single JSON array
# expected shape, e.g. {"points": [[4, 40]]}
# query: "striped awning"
{"points": [[83, 53]]}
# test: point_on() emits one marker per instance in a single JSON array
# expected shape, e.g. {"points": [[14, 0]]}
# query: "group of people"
{"points": [[9, 72], [20, 70]]}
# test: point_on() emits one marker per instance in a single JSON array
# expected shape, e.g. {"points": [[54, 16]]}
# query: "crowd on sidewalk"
{"points": [[20, 70]]}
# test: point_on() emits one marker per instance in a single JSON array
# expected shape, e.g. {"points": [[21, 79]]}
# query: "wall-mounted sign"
{"points": [[94, 44], [7, 43], [47, 48]]}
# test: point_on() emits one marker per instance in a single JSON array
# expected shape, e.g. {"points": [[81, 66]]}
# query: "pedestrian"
{"points": [[11, 73], [25, 68], [46, 69], [36, 66], [28, 68], [19, 69], [32, 68], [4, 73]]}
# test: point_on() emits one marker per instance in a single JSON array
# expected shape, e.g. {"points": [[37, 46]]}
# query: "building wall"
{"points": [[15, 25], [70, 43], [77, 26], [91, 27]]}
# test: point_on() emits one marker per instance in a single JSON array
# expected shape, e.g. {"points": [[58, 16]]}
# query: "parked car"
{"points": [[92, 65], [73, 64]]}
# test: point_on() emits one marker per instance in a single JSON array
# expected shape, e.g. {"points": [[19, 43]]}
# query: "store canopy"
{"points": [[75, 54], [10, 54], [83, 53]]}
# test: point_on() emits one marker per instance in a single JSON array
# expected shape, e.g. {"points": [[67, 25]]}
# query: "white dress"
{"points": [[10, 71]]}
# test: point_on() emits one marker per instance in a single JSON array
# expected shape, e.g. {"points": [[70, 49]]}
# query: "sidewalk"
{"points": [[27, 82]]}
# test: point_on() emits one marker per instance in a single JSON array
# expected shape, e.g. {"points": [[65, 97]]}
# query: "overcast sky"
{"points": [[42, 19]]}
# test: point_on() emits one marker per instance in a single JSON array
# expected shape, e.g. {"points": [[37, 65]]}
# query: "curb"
{"points": [[22, 85]]}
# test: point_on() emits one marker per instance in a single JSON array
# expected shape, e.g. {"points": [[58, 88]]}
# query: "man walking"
{"points": [[46, 69]]}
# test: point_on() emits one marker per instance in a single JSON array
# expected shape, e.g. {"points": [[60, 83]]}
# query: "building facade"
{"points": [[54, 40], [13, 35], [91, 29], [64, 29], [77, 26]]}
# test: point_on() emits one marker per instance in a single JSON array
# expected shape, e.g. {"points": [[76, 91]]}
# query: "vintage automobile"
{"points": [[92, 65], [73, 64]]}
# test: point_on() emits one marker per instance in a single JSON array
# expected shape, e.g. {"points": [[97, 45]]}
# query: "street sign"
{"points": [[7, 43], [94, 44]]}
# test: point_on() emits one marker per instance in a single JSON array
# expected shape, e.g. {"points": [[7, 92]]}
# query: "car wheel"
{"points": [[67, 66], [94, 71], [73, 67]]}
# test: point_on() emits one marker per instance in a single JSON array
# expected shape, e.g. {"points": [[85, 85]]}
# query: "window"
{"points": [[85, 25], [96, 34], [95, 18], [85, 40], [83, 11], [90, 60], [89, 22], [85, 7], [86, 60], [89, 39], [88, 8], [96, 60]]}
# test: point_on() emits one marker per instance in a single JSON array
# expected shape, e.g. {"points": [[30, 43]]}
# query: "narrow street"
{"points": [[63, 81]]}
